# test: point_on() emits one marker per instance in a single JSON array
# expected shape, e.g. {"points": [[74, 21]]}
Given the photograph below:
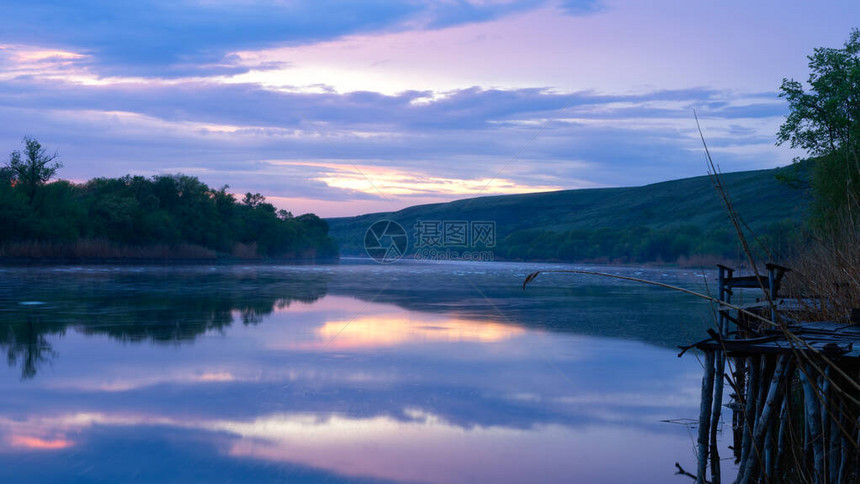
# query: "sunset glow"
{"points": [[394, 183], [432, 101], [35, 443], [375, 331], [422, 447]]}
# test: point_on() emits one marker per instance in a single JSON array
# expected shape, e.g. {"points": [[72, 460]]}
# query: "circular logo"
{"points": [[385, 241]]}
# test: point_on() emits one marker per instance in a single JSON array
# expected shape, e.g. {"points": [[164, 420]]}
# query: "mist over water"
{"points": [[418, 372]]}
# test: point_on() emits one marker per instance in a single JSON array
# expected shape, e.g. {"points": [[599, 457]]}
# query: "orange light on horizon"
{"points": [[37, 443], [392, 181], [398, 182], [40, 55]]}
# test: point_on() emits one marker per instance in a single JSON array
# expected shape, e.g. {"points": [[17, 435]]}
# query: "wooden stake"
{"points": [[705, 416], [784, 414], [824, 385], [720, 366], [813, 422], [769, 410], [749, 408], [738, 421], [767, 364]]}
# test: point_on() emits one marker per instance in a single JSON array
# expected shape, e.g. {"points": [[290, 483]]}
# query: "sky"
{"points": [[348, 107]]}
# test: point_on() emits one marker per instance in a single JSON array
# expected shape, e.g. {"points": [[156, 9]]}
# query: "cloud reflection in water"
{"points": [[332, 387]]}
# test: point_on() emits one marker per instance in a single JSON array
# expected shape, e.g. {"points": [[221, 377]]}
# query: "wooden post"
{"points": [[768, 450], [704, 416], [771, 282], [720, 365], [724, 294], [763, 422], [749, 408], [842, 444], [854, 465], [721, 292], [767, 364], [834, 450], [824, 385], [813, 421], [738, 421], [784, 414]]}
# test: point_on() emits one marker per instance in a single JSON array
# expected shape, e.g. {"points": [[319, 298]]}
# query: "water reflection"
{"points": [[25, 342], [157, 305], [175, 305], [383, 325], [151, 380]]}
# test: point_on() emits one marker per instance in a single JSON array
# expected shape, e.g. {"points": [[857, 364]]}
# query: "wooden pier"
{"points": [[794, 386]]}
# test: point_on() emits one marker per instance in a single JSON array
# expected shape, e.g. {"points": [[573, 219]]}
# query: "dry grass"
{"points": [[826, 275]]}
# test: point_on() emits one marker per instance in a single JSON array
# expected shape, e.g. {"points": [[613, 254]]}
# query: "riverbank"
{"points": [[107, 252]]}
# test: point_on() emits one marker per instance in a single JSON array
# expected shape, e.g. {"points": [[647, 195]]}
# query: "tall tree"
{"points": [[825, 121], [33, 167]]}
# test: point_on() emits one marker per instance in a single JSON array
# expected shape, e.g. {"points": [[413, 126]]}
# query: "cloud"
{"points": [[322, 144], [431, 98], [250, 106], [159, 38], [167, 38]]}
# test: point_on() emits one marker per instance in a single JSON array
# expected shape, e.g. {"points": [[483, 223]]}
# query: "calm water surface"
{"points": [[408, 372]]}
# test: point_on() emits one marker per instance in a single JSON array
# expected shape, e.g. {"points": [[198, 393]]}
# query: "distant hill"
{"points": [[663, 221]]}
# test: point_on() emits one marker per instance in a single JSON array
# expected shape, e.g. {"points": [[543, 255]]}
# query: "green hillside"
{"points": [[662, 221]]}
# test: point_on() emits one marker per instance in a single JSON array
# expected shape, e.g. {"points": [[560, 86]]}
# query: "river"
{"points": [[349, 372]]}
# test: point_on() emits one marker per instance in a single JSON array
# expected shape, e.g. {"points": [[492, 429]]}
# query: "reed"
{"points": [[826, 276]]}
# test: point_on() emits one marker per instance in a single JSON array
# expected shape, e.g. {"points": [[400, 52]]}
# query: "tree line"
{"points": [[640, 244], [138, 212]]}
